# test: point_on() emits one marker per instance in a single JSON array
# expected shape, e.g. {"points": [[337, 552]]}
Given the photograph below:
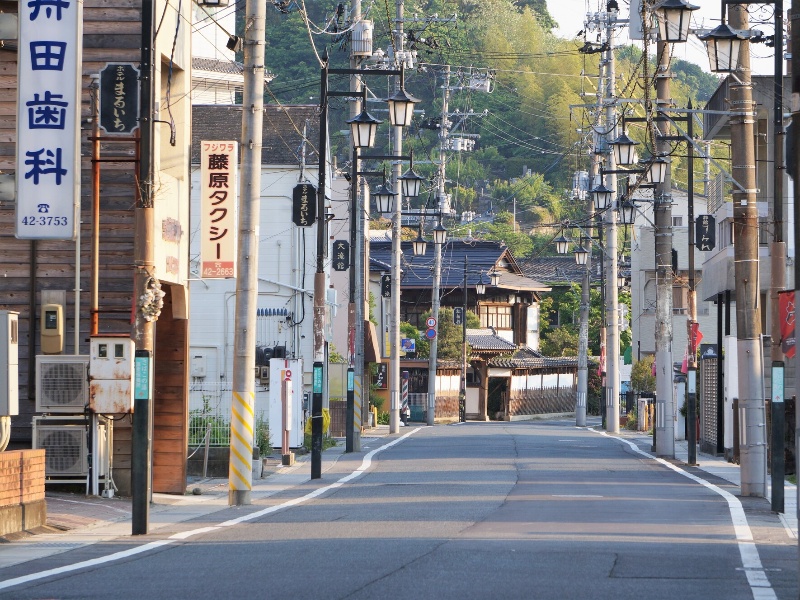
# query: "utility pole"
{"points": [[777, 252], [664, 430], [611, 311], [357, 219], [240, 476], [794, 17], [586, 302], [462, 394], [143, 329], [752, 439], [441, 200], [691, 324], [397, 150]]}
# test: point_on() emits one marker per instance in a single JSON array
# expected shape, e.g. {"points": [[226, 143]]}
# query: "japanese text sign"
{"points": [[119, 98], [218, 227], [341, 255], [304, 205], [48, 118], [705, 233]]}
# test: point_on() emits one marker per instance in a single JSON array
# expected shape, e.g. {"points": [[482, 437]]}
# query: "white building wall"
{"points": [[286, 267]]}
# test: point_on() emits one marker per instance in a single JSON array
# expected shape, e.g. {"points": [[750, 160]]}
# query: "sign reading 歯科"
{"points": [[48, 119]]}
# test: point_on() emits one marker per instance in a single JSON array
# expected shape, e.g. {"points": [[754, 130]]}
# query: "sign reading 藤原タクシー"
{"points": [[48, 118], [218, 162]]}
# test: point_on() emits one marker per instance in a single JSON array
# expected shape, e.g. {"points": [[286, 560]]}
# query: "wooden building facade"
{"points": [[35, 272]]}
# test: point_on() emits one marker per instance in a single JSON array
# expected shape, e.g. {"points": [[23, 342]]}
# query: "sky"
{"points": [[570, 15]]}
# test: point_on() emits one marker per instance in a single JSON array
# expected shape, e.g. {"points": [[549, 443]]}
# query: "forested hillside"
{"points": [[533, 133]]}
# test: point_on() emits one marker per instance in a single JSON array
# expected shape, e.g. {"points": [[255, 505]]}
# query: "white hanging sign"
{"points": [[218, 177], [48, 119]]}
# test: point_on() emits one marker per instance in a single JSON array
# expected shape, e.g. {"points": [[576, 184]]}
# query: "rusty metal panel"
{"points": [[111, 369]]}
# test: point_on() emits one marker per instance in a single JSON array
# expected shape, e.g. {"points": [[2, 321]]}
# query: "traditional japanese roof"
{"points": [[527, 358], [556, 270], [282, 130], [485, 339], [482, 256], [214, 65]]}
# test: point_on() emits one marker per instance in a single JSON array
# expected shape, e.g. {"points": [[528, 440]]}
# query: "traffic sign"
{"points": [[430, 334], [431, 322]]}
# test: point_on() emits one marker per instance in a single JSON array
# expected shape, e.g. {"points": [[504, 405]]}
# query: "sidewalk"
{"points": [[76, 520]]}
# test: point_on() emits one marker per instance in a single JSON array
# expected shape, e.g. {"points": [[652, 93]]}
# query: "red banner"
{"points": [[786, 308], [697, 337]]}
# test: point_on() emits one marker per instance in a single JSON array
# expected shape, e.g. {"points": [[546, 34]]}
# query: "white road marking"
{"points": [[365, 464], [751, 562]]}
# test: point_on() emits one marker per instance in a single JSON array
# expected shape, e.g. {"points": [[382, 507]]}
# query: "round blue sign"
{"points": [[430, 334]]}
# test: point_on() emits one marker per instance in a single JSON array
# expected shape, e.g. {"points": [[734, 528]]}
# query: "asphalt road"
{"points": [[477, 510]]}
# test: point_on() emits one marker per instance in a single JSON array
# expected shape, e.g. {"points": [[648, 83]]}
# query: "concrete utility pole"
{"points": [[586, 302], [240, 474], [441, 200], [394, 330], [752, 437], [665, 400], [612, 293]]}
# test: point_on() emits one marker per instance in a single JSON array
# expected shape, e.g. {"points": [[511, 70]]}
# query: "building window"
{"points": [[496, 315], [679, 300], [677, 221]]}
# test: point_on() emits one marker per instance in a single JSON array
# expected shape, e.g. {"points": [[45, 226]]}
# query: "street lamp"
{"points": [[656, 171], [363, 128], [420, 244], [410, 181], [602, 197], [562, 244], [384, 198], [673, 20], [624, 150], [722, 45], [494, 276], [627, 211], [581, 256], [480, 287], [439, 234], [401, 106]]}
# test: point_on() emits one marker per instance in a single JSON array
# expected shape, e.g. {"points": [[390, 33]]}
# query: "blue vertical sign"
{"points": [[48, 118]]}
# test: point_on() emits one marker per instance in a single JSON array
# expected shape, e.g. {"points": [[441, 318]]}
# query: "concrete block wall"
{"points": [[22, 503]]}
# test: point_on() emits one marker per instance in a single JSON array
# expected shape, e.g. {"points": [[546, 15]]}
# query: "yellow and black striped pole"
{"points": [[240, 470]]}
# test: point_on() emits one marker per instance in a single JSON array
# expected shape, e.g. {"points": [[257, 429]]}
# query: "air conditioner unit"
{"points": [[67, 450], [62, 383]]}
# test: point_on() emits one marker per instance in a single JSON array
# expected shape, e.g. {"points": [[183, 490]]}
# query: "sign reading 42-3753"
{"points": [[48, 119]]}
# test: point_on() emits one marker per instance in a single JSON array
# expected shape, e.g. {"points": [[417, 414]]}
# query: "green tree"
{"points": [[562, 341], [642, 378], [407, 330]]}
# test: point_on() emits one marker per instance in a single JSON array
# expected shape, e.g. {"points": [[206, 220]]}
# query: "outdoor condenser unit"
{"points": [[62, 383]]}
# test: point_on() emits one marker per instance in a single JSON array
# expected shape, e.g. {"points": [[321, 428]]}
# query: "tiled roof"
{"points": [[526, 358], [481, 256], [282, 130], [217, 66], [486, 339], [557, 270]]}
